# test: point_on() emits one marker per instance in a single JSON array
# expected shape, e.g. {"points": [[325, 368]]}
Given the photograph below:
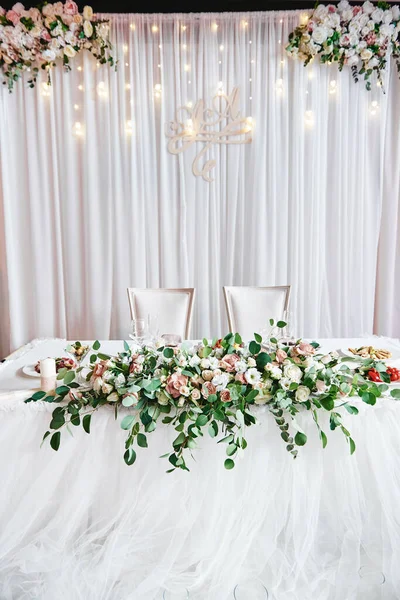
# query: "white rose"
{"points": [[374, 62], [205, 363], [184, 391], [343, 5], [353, 39], [319, 35], [320, 12], [334, 354], [387, 30], [326, 359], [387, 16], [347, 15], [395, 12], [371, 25], [221, 381], [106, 388], [113, 397], [268, 384], [252, 376], [302, 393], [362, 45], [69, 51], [274, 372], [194, 361], [334, 20], [88, 29], [195, 395], [162, 399], [88, 13], [365, 31], [214, 363], [366, 54], [251, 362], [293, 372], [377, 15], [49, 55], [120, 380], [368, 7]]}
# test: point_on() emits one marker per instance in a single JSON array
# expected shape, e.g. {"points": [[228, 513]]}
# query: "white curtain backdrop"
{"points": [[307, 203]]}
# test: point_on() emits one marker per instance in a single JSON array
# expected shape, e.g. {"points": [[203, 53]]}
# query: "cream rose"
{"points": [[88, 13], [319, 35], [207, 375], [366, 54], [106, 388], [263, 398], [302, 393], [69, 51], [293, 372], [377, 15], [195, 395], [113, 397], [88, 29]]}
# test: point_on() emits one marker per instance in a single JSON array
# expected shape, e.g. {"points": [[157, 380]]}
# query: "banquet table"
{"points": [[81, 524]]}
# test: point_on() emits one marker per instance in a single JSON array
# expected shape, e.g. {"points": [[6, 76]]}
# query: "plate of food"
{"points": [[61, 363], [365, 352]]}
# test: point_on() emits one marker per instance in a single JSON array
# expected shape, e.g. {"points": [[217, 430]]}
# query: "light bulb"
{"points": [[76, 106], [80, 68], [183, 28], [129, 127], [128, 86], [309, 118], [46, 89], [332, 87], [187, 68], [249, 124], [220, 84], [77, 129], [189, 104], [221, 47], [184, 46], [157, 87], [154, 28], [125, 48], [80, 87], [133, 26], [214, 27]]}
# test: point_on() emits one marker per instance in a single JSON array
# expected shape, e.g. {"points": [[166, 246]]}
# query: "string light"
{"points": [[133, 26], [220, 62], [221, 47], [332, 87], [80, 68], [80, 87], [282, 62], [189, 127], [159, 66], [252, 62], [249, 124], [154, 28], [279, 85], [250, 42], [244, 24], [187, 68], [157, 90], [125, 48], [127, 64], [184, 46], [250, 97], [76, 106], [128, 86], [310, 74], [129, 127], [101, 89], [309, 118], [46, 89], [189, 82], [98, 65], [160, 46], [281, 21], [183, 28], [189, 104], [374, 107], [220, 84], [77, 129], [214, 27]]}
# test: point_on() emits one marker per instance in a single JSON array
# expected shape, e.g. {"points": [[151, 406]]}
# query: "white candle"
{"points": [[48, 374]]}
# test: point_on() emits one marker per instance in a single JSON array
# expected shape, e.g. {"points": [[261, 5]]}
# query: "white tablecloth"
{"points": [[80, 524]]}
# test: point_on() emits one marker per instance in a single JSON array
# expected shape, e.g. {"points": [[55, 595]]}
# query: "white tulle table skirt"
{"points": [[80, 524]]}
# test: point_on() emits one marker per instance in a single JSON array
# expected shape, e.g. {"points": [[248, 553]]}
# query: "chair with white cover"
{"points": [[172, 307], [250, 308]]}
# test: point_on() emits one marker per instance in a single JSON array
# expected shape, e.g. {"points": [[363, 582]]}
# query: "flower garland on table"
{"points": [[214, 387], [361, 37], [35, 38]]}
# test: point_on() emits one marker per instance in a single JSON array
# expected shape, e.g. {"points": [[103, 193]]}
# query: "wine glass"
{"points": [[78, 352], [153, 328], [139, 331], [371, 580], [288, 333], [255, 590], [182, 594]]}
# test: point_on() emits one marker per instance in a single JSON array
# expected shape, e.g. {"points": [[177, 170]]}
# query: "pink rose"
{"points": [[208, 389], [321, 387], [70, 8], [357, 10], [2, 11], [68, 19], [13, 17], [226, 396], [303, 349], [371, 39], [99, 369], [18, 8], [280, 355], [240, 377], [174, 383], [228, 362], [44, 34], [331, 8]]}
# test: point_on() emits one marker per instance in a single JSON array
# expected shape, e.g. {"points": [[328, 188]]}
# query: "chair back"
{"points": [[173, 308], [250, 308]]}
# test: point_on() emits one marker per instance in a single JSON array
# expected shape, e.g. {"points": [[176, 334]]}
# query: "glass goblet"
{"points": [[255, 590], [139, 331]]}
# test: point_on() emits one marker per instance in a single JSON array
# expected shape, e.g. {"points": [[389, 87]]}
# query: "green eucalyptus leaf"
{"points": [[96, 345], [142, 440], [130, 456], [55, 440], [300, 439], [395, 394], [127, 422], [229, 464], [86, 423]]}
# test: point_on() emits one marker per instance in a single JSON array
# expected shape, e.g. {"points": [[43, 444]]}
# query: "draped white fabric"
{"points": [[84, 217], [81, 525]]}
